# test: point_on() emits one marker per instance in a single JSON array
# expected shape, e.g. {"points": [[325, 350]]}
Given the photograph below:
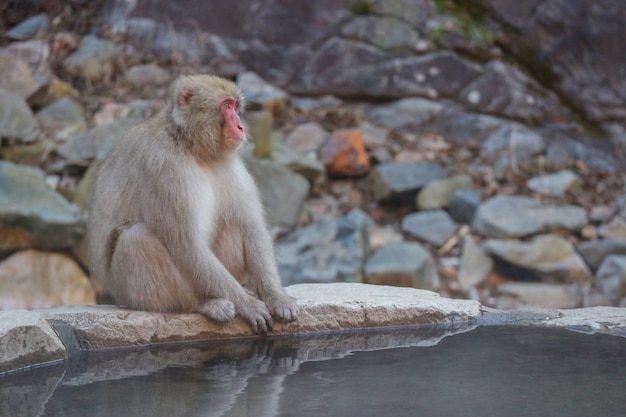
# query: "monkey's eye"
{"points": [[228, 104]]}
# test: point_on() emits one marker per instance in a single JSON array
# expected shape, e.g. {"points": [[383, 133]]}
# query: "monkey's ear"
{"points": [[183, 98]]}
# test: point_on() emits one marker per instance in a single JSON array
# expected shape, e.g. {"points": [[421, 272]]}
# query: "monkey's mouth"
{"points": [[235, 140]]}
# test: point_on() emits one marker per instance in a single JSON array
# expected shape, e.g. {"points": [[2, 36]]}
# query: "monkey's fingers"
{"points": [[257, 314], [283, 307]]}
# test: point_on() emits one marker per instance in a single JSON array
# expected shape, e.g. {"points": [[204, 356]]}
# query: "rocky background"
{"points": [[475, 148]]}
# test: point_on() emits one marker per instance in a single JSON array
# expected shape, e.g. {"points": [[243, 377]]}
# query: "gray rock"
{"points": [[400, 181], [475, 264], [95, 58], [62, 119], [333, 251], [373, 136], [432, 226], [615, 229], [147, 74], [17, 121], [33, 215], [94, 143], [556, 184], [16, 76], [611, 277], [463, 205], [607, 320], [438, 74], [438, 193], [595, 251], [506, 91], [383, 32], [404, 264], [307, 137], [506, 216], [306, 165], [36, 53], [27, 339], [548, 256], [516, 294], [282, 191], [515, 142], [587, 77], [256, 90], [407, 113], [29, 28], [326, 69]]}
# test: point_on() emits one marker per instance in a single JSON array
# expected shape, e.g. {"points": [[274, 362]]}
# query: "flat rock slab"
{"points": [[591, 320], [30, 338], [323, 308]]}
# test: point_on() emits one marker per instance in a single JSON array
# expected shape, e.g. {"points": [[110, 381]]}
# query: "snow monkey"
{"points": [[176, 222]]}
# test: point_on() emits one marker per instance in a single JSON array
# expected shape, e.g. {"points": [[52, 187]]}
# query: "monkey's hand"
{"points": [[255, 312], [282, 306]]}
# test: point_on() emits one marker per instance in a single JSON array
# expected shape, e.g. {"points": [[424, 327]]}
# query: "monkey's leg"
{"points": [[147, 279], [261, 264]]}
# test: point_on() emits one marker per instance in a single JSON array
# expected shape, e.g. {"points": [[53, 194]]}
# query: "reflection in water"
{"points": [[490, 371]]}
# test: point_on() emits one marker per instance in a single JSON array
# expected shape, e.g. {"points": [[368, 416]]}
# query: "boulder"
{"points": [[258, 91], [556, 184], [94, 143], [332, 251], [595, 251], [282, 191], [147, 74], [400, 181], [16, 76], [95, 59], [33, 215], [438, 193], [432, 226], [611, 277], [463, 205], [62, 119], [505, 91], [31, 279], [27, 339], [404, 264], [304, 164], [506, 216], [548, 256], [17, 120], [516, 294], [29, 28], [307, 137], [475, 264]]}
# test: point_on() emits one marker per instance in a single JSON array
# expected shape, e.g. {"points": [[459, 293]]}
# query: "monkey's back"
{"points": [[138, 182]]}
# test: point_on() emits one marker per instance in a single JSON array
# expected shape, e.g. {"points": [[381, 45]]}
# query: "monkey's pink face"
{"points": [[233, 129]]}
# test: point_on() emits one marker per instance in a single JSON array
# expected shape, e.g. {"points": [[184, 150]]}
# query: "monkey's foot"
{"points": [[282, 306], [220, 310]]}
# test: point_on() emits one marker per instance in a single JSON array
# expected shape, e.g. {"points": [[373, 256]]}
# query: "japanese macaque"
{"points": [[176, 223]]}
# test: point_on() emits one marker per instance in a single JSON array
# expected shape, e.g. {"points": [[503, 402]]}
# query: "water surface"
{"points": [[489, 371]]}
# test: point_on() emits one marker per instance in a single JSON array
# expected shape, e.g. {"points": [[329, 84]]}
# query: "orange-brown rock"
{"points": [[344, 153], [32, 279]]}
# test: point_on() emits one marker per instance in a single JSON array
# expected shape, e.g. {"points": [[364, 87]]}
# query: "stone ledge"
{"points": [[323, 308], [29, 338]]}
